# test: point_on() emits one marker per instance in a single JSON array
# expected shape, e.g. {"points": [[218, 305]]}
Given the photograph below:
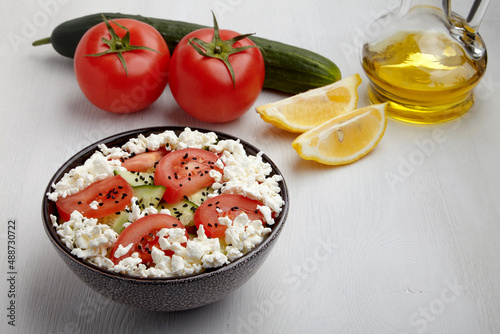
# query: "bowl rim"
{"points": [[125, 136]]}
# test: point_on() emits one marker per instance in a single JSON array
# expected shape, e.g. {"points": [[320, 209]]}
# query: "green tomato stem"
{"points": [[119, 45], [219, 48]]}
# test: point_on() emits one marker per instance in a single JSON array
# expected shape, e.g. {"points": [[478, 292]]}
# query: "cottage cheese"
{"points": [[96, 168], [242, 174], [85, 237]]}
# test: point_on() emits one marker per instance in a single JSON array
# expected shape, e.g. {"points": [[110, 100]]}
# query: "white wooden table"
{"points": [[406, 240]]}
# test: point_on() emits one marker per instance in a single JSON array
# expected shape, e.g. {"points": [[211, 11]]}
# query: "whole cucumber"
{"points": [[288, 68]]}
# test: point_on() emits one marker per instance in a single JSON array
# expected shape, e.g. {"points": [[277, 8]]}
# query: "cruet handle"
{"points": [[476, 14]]}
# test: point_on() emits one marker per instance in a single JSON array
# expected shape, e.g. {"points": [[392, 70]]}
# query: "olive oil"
{"points": [[426, 76]]}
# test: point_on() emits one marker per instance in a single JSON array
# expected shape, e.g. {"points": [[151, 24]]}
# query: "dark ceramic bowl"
{"points": [[163, 294]]}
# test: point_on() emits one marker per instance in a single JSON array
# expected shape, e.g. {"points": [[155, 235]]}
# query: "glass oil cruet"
{"points": [[426, 60]]}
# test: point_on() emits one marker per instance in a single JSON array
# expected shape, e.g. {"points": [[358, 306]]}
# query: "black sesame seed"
{"points": [[79, 202]]}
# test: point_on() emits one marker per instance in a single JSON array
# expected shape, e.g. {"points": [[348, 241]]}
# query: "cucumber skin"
{"points": [[288, 68]]}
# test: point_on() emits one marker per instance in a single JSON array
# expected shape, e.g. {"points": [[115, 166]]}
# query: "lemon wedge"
{"points": [[307, 110], [345, 138]]}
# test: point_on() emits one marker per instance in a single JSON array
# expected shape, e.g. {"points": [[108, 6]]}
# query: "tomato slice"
{"points": [[112, 195], [226, 205], [144, 162], [142, 234], [184, 172]]}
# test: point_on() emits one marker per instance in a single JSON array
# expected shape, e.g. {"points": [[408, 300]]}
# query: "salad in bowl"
{"points": [[166, 204]]}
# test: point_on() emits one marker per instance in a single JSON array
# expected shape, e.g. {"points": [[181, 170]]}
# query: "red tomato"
{"points": [[104, 80], [113, 194], [145, 161], [184, 172], [142, 234], [227, 205], [203, 86]]}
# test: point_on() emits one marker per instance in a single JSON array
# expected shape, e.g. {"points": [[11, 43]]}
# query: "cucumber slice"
{"points": [[115, 220], [200, 197], [136, 179], [183, 210], [149, 195], [121, 219]]}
